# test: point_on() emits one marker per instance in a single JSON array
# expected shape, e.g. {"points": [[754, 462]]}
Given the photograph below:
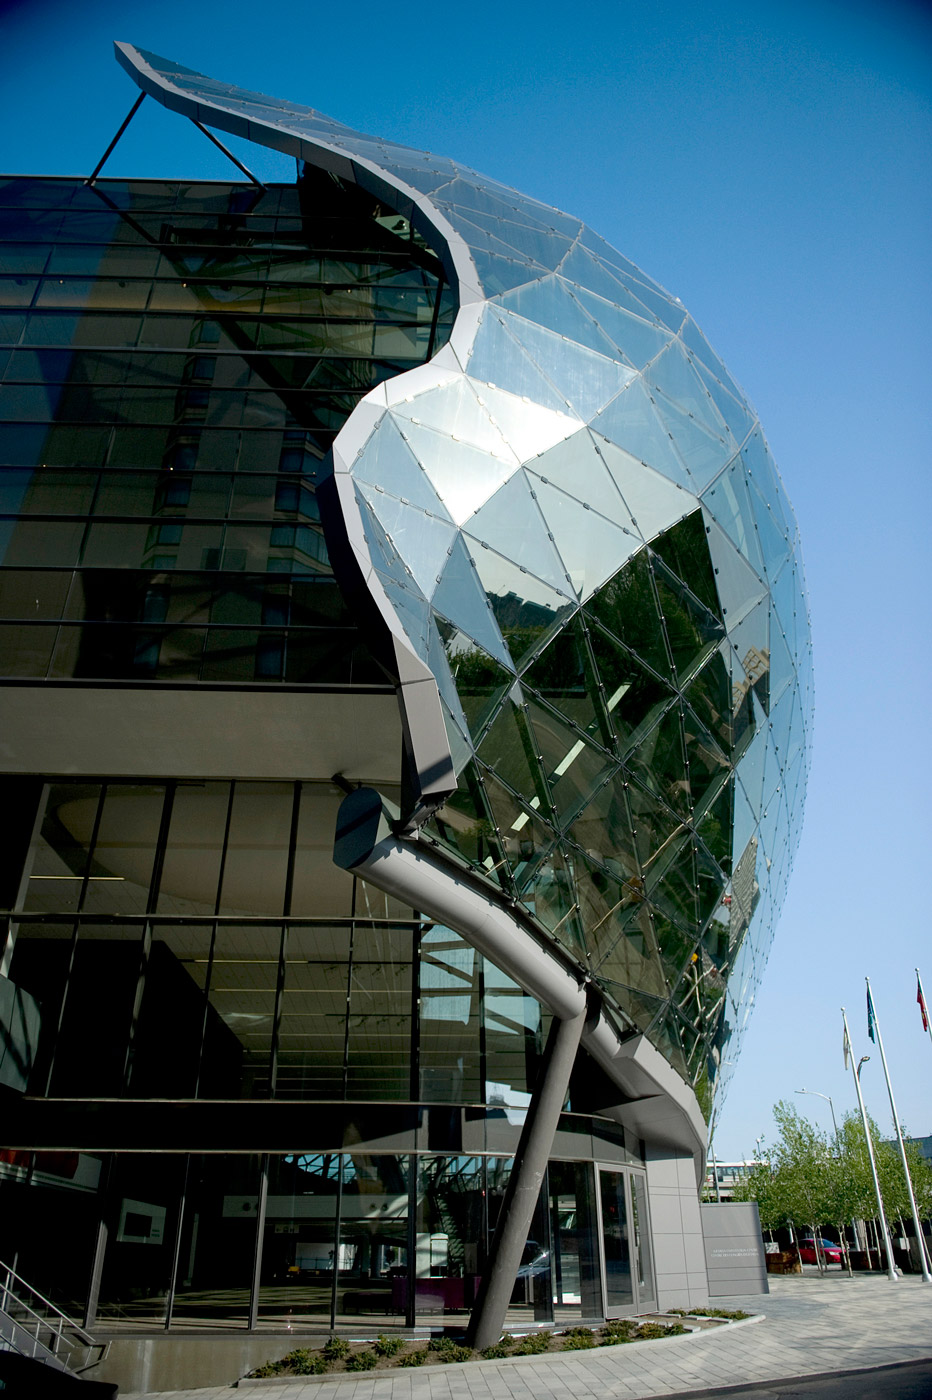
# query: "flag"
{"points": [[870, 1016], [846, 1047], [922, 1004]]}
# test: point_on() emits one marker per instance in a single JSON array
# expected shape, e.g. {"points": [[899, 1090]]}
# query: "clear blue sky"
{"points": [[770, 165]]}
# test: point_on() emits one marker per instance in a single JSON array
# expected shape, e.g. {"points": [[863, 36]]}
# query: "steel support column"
{"points": [[523, 1190]]}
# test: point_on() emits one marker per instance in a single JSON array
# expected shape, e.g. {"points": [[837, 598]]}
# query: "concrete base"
{"points": [[183, 1362]]}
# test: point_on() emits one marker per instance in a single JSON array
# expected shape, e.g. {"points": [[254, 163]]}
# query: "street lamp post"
{"points": [[817, 1095]]}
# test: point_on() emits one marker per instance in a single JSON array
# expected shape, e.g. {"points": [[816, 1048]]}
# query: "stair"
{"points": [[42, 1350]]}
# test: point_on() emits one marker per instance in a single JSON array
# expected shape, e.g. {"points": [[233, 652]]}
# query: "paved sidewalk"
{"points": [[811, 1326]]}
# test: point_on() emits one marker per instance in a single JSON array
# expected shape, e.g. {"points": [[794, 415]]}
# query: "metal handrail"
{"points": [[55, 1328]]}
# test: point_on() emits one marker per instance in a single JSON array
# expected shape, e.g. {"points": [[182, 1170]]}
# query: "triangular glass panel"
{"points": [[525, 839], [454, 723], [500, 201], [709, 768], [578, 468], [551, 303], [631, 422], [575, 769], [412, 611], [659, 762], [692, 631], [773, 776], [762, 470], [465, 823], [782, 670], [750, 771], [643, 1012], [696, 342], [728, 503], [783, 596], [709, 696], [587, 380], [735, 414], [497, 358], [388, 463], [382, 552], [454, 409], [703, 452], [528, 428], [604, 251], [653, 824], [508, 237], [655, 504], [666, 308], [676, 946], [604, 831], [774, 547], [460, 597], [551, 897], [421, 540], [464, 476], [481, 683], [563, 675], [527, 611], [710, 884], [628, 608], [499, 273], [739, 587], [627, 324], [618, 931], [672, 377], [667, 1039], [509, 750], [633, 696], [672, 890], [684, 548], [512, 523], [592, 548], [716, 826], [750, 642], [590, 274]]}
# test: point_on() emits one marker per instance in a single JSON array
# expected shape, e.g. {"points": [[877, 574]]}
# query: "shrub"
{"points": [[731, 1316], [455, 1353], [578, 1338], [336, 1348], [533, 1344], [387, 1346], [307, 1363], [413, 1358], [268, 1368], [617, 1331], [361, 1361], [496, 1351], [653, 1331], [440, 1343]]}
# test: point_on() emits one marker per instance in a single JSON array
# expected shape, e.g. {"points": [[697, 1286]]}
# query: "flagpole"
{"points": [[926, 1276], [882, 1219], [926, 1019]]}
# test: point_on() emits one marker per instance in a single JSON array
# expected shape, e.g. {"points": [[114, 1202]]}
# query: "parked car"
{"points": [[831, 1252]]}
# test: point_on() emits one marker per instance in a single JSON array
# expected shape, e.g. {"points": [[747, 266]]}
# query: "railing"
{"points": [[50, 1335]]}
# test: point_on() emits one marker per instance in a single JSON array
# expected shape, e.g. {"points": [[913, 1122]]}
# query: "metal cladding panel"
{"points": [[578, 543]]}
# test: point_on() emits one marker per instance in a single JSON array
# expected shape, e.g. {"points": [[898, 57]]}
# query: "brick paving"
{"points": [[809, 1326]]}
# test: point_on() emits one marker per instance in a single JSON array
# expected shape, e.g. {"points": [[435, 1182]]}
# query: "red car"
{"points": [[831, 1252]]}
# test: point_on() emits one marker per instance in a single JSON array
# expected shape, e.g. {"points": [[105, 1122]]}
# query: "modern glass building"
{"points": [[394, 509]]}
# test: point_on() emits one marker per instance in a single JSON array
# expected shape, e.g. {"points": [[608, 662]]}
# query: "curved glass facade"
{"points": [[572, 517]]}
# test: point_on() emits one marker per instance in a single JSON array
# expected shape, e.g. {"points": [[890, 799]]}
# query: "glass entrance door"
{"points": [[640, 1237], [616, 1244], [626, 1251]]}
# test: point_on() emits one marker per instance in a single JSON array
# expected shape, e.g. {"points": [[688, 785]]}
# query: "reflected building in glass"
{"points": [[394, 507]]}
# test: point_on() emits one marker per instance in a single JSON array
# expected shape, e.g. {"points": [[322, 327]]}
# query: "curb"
{"points": [[393, 1372]]}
